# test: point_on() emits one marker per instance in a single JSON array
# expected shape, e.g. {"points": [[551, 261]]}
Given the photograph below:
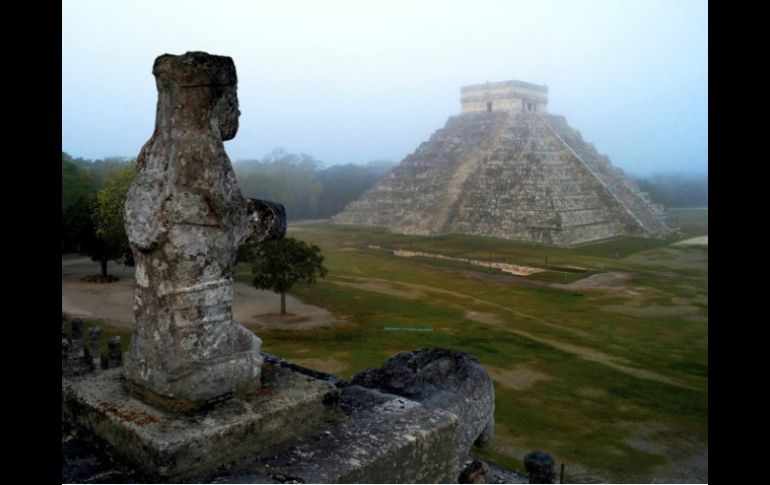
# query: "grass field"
{"points": [[611, 379], [602, 360]]}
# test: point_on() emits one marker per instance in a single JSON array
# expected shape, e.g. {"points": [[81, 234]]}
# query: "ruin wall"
{"points": [[504, 96]]}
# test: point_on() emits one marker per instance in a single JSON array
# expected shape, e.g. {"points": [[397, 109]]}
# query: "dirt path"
{"points": [[586, 353], [607, 280], [696, 241], [112, 303]]}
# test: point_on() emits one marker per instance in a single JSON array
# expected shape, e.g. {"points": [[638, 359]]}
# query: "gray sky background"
{"points": [[352, 81]]}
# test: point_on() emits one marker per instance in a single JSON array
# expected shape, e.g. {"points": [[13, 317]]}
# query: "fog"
{"points": [[350, 82]]}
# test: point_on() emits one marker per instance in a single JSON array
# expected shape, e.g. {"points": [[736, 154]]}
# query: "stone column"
{"points": [[540, 467], [66, 361], [114, 353], [95, 347], [77, 348]]}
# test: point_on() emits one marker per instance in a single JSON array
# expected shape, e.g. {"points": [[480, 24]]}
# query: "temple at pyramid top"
{"points": [[506, 168], [504, 96]]}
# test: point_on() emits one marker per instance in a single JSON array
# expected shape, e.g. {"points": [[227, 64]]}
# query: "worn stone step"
{"points": [[382, 439]]}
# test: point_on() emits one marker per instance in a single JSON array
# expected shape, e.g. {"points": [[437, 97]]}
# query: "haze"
{"points": [[359, 81]]}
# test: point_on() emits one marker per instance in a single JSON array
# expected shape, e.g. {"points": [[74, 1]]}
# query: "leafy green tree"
{"points": [[77, 200], [111, 239], [279, 264], [75, 184], [98, 170], [78, 231]]}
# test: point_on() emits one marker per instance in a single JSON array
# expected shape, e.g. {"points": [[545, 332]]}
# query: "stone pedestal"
{"points": [[289, 406], [297, 428]]}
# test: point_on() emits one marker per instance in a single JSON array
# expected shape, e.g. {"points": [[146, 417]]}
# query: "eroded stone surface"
{"points": [[382, 439], [374, 442], [345, 433], [169, 446], [475, 472], [441, 379], [185, 218]]}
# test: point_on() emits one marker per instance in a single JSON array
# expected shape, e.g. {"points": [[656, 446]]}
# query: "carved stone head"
{"points": [[197, 91]]}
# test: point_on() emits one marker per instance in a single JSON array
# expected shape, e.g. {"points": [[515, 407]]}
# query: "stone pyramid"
{"points": [[505, 168]]}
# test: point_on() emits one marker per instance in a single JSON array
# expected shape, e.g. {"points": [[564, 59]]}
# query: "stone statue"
{"points": [[185, 218]]}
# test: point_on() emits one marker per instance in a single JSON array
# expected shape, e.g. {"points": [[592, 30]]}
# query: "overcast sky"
{"points": [[359, 81]]}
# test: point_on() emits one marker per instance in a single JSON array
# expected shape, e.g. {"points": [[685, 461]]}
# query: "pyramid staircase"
{"points": [[523, 176]]}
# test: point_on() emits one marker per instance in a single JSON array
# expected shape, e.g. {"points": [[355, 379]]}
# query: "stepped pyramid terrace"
{"points": [[506, 168]]}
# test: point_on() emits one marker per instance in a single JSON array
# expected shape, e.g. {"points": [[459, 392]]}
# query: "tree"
{"points": [[279, 264], [77, 201], [345, 183], [111, 239], [282, 176], [100, 169], [75, 184], [301, 184], [78, 231]]}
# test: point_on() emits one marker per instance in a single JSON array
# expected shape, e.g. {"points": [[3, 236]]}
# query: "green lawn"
{"points": [[609, 363]]}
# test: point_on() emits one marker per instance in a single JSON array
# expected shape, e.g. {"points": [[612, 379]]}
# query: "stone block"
{"points": [[382, 439], [288, 407]]}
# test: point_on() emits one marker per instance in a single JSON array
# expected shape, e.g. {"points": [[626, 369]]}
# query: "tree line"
{"points": [[676, 189], [93, 196], [299, 182], [94, 191], [93, 201]]}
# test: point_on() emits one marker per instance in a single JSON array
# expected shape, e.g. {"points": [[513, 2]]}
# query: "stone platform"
{"points": [[289, 406], [382, 439], [352, 435], [302, 426]]}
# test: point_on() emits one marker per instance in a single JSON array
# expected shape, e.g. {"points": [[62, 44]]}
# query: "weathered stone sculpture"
{"points": [[185, 217], [443, 379]]}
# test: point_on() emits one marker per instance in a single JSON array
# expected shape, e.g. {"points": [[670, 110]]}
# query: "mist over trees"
{"points": [[345, 183], [676, 189], [306, 190], [97, 170], [297, 181], [282, 177]]}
